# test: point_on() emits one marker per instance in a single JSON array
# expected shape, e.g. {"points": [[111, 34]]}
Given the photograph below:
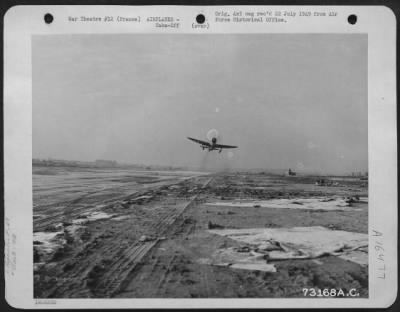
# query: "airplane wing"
{"points": [[200, 142], [224, 146]]}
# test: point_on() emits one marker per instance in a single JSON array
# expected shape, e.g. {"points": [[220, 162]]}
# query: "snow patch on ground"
{"points": [[92, 216], [232, 258], [120, 218], [46, 243], [302, 242], [142, 197], [321, 203]]}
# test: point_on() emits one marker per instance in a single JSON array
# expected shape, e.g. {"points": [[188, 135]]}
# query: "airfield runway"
{"points": [[124, 233]]}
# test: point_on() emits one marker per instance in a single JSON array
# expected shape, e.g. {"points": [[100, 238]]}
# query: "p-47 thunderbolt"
{"points": [[211, 146]]}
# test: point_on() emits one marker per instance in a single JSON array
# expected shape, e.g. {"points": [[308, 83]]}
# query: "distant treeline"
{"points": [[97, 164]]}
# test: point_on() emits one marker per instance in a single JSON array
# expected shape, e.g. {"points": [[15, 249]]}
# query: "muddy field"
{"points": [[137, 234]]}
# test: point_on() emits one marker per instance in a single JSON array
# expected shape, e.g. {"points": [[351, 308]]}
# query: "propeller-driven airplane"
{"points": [[211, 146]]}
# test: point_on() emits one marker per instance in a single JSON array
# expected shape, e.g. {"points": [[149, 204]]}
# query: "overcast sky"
{"points": [[297, 101]]}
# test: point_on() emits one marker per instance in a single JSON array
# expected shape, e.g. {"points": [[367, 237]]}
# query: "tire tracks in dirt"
{"points": [[104, 266], [69, 212], [166, 226]]}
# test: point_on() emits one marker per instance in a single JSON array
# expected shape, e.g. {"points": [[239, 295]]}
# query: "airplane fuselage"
{"points": [[212, 146]]}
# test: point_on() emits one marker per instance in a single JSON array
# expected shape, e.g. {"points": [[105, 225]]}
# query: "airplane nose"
{"points": [[214, 140]]}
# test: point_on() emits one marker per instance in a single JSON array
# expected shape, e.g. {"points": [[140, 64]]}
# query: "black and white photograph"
{"points": [[177, 166], [203, 157]]}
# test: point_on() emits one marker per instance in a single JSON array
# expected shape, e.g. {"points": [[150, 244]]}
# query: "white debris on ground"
{"points": [[45, 244], [74, 230], [320, 203], [120, 218], [364, 199], [92, 216], [147, 238], [142, 197], [298, 243], [48, 241], [359, 256], [234, 258]]}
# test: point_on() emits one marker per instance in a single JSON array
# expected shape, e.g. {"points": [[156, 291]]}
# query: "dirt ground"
{"points": [[154, 230]]}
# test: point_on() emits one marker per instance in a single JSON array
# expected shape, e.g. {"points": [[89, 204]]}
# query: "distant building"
{"points": [[106, 163], [290, 172]]}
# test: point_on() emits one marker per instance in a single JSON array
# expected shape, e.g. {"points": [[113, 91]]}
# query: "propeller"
{"points": [[213, 133]]}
